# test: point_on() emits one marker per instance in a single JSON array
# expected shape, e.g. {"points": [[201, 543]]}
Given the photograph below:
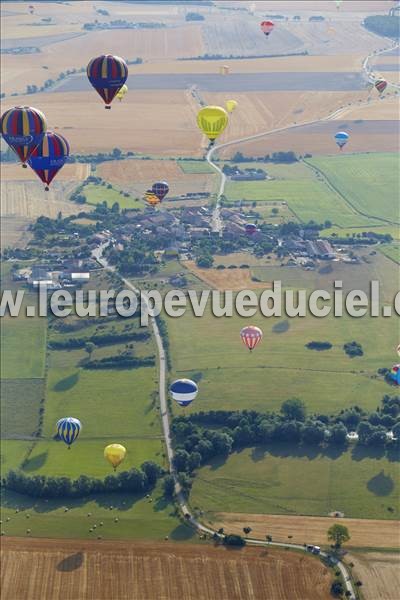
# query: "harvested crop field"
{"points": [[14, 231], [70, 172], [226, 279], [379, 573], [367, 533], [73, 569], [29, 200]]}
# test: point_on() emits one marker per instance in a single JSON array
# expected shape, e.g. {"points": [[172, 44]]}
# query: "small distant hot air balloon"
{"points": [[23, 128], [338, 3], [212, 120], [231, 105], [115, 454], [250, 228], [160, 189], [398, 350], [224, 70], [107, 74], [381, 85], [267, 27], [31, 9], [395, 374], [151, 198], [251, 336], [122, 92], [184, 391], [341, 138], [68, 429], [49, 157]]}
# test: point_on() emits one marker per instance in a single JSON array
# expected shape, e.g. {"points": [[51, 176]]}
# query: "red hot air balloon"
{"points": [[251, 336], [250, 228], [107, 74], [23, 128], [381, 85], [267, 27], [49, 157], [160, 189]]}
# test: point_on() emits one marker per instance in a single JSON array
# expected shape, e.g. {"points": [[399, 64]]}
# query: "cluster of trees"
{"points": [[232, 170], [193, 16], [275, 157], [208, 56], [137, 258], [125, 360], [205, 435], [122, 24], [353, 349], [385, 25], [99, 339], [319, 345], [134, 481]]}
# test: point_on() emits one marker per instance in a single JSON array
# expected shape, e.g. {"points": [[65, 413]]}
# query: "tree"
{"points": [[234, 540], [294, 409], [168, 486], [89, 348], [337, 589], [152, 471], [338, 534], [338, 434]]}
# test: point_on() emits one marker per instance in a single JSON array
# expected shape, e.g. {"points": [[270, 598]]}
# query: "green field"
{"points": [[295, 481], [231, 378], [392, 251], [20, 403], [369, 182], [195, 166], [96, 194]]}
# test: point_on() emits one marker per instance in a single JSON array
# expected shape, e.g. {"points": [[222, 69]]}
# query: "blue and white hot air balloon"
{"points": [[184, 391], [341, 138], [68, 429]]}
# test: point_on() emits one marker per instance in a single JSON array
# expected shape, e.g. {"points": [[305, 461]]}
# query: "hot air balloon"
{"points": [[341, 138], [381, 85], [231, 105], [250, 228], [107, 74], [31, 9], [122, 92], [395, 374], [251, 336], [115, 454], [398, 350], [212, 121], [151, 198], [267, 27], [184, 391], [49, 157], [23, 128], [224, 70], [338, 3], [68, 429], [160, 189]]}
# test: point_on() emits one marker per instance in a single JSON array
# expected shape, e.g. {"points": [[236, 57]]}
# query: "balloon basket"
{"points": [[24, 166], [107, 107], [46, 189]]}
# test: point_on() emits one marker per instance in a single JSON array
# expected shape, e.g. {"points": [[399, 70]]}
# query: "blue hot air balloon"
{"points": [[184, 391], [395, 374], [341, 138], [68, 429]]}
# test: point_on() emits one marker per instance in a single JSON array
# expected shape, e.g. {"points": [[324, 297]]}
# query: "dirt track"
{"points": [[81, 570]]}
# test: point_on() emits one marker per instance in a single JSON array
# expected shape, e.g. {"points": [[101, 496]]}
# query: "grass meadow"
{"points": [[20, 404], [96, 194], [280, 479], [195, 167]]}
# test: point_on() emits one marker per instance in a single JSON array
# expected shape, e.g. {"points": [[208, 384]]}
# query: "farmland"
{"points": [[20, 403], [260, 480], [237, 279], [365, 533], [379, 572], [97, 194], [194, 572]]}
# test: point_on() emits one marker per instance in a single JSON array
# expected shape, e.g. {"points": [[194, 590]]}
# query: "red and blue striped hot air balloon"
{"points": [[107, 74], [49, 157], [23, 128]]}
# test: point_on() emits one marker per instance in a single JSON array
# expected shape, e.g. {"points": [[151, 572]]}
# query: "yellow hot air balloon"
{"points": [[151, 198], [115, 454], [231, 105], [212, 121], [122, 92]]}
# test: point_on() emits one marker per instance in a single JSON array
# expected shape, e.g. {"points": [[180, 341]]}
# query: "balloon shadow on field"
{"points": [[217, 462], [281, 327], [182, 532], [35, 463], [63, 385], [381, 484], [70, 563], [360, 452]]}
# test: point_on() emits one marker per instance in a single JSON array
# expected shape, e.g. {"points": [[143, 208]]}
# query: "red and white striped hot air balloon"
{"points": [[251, 336]]}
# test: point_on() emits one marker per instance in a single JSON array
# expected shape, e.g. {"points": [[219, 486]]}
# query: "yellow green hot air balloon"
{"points": [[231, 105], [122, 92], [115, 454], [212, 121]]}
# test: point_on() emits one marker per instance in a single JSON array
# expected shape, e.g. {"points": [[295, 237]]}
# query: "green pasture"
{"points": [[369, 182], [280, 479], [137, 517], [195, 167], [12, 453], [20, 404], [392, 251], [96, 194]]}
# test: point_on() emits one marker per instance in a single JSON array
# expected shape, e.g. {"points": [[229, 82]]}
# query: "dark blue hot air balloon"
{"points": [[184, 391], [68, 429], [341, 138]]}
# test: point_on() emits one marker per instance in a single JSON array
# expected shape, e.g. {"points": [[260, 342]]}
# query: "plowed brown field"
{"points": [[28, 199], [79, 570], [364, 532]]}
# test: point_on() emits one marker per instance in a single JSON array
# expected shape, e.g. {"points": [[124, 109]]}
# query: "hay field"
{"points": [[70, 172], [376, 110], [138, 175], [28, 199], [370, 533], [379, 573], [326, 6], [115, 571], [14, 231], [226, 279]]}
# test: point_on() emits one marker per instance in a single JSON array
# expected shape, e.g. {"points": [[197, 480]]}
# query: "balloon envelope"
{"points": [[151, 198], [68, 429], [381, 85], [395, 374], [49, 156], [23, 128], [341, 138], [107, 74], [267, 27], [115, 454], [160, 189], [212, 120], [184, 391], [230, 105], [122, 92], [398, 350], [251, 336]]}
